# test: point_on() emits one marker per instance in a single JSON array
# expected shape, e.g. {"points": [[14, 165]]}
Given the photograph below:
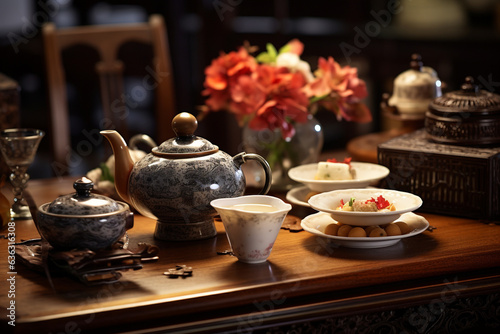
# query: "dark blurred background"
{"points": [[457, 38]]}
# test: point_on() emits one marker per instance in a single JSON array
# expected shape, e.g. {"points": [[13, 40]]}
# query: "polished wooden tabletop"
{"points": [[304, 275]]}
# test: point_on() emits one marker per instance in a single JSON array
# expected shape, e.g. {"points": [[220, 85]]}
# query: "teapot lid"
{"points": [[468, 99], [83, 202], [417, 74], [185, 144]]}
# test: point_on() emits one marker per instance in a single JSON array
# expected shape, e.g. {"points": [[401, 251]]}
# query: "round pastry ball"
{"points": [[405, 228], [378, 232], [369, 229], [393, 229], [357, 232], [344, 230], [332, 229]]}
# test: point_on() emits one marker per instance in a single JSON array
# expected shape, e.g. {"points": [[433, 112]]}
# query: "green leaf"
{"points": [[285, 48], [106, 173], [315, 99], [271, 50], [264, 57], [351, 201], [268, 57]]}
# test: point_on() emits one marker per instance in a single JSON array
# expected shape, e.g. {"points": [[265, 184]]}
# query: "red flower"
{"points": [[270, 97], [223, 75], [286, 102], [246, 96], [296, 46], [340, 90]]}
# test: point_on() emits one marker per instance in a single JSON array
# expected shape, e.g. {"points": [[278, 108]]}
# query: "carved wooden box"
{"points": [[451, 179]]}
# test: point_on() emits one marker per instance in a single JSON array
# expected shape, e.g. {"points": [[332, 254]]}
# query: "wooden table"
{"points": [[447, 277]]}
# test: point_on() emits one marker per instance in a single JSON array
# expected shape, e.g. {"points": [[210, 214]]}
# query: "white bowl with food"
{"points": [[319, 223], [360, 175], [365, 207]]}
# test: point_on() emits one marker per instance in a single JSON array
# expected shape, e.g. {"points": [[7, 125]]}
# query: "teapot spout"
{"points": [[123, 162]]}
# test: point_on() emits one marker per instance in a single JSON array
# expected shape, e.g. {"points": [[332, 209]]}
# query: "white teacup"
{"points": [[252, 224]]}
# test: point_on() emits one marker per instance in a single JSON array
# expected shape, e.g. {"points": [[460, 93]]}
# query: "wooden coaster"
{"points": [[292, 223]]}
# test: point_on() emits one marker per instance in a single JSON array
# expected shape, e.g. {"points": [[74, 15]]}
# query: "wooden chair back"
{"points": [[107, 40]]}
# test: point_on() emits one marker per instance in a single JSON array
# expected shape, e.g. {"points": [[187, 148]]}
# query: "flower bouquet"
{"points": [[276, 90]]}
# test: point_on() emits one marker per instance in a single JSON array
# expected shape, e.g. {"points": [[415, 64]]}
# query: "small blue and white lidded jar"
{"points": [[83, 220]]}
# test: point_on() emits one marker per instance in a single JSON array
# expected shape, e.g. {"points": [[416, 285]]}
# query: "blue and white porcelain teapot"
{"points": [[177, 180]]}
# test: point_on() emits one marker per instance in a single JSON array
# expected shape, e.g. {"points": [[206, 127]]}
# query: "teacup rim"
{"points": [[283, 206]]}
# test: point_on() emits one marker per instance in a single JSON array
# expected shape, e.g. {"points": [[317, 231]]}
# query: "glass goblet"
{"points": [[19, 148]]}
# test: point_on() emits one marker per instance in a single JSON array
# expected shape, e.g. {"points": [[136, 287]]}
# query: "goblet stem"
{"points": [[19, 178], [18, 148]]}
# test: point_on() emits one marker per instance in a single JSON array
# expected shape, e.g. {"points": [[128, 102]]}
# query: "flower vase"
{"points": [[282, 155]]}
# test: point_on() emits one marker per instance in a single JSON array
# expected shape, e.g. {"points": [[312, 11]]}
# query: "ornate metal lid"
{"points": [[186, 144], [466, 117], [83, 202], [469, 99]]}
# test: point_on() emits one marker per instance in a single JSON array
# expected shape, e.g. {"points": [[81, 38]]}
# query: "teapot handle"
{"points": [[244, 157], [141, 139]]}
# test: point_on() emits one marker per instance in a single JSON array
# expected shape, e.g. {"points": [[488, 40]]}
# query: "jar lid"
{"points": [[83, 202], [469, 99], [466, 117], [415, 88], [185, 144], [417, 74]]}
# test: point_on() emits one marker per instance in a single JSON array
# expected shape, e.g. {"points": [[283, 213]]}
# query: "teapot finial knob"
{"points": [[83, 187], [184, 124], [416, 62], [469, 86]]}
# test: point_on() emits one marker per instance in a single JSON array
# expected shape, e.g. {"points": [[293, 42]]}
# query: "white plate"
{"points": [[329, 201], [316, 224], [366, 174], [298, 195]]}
